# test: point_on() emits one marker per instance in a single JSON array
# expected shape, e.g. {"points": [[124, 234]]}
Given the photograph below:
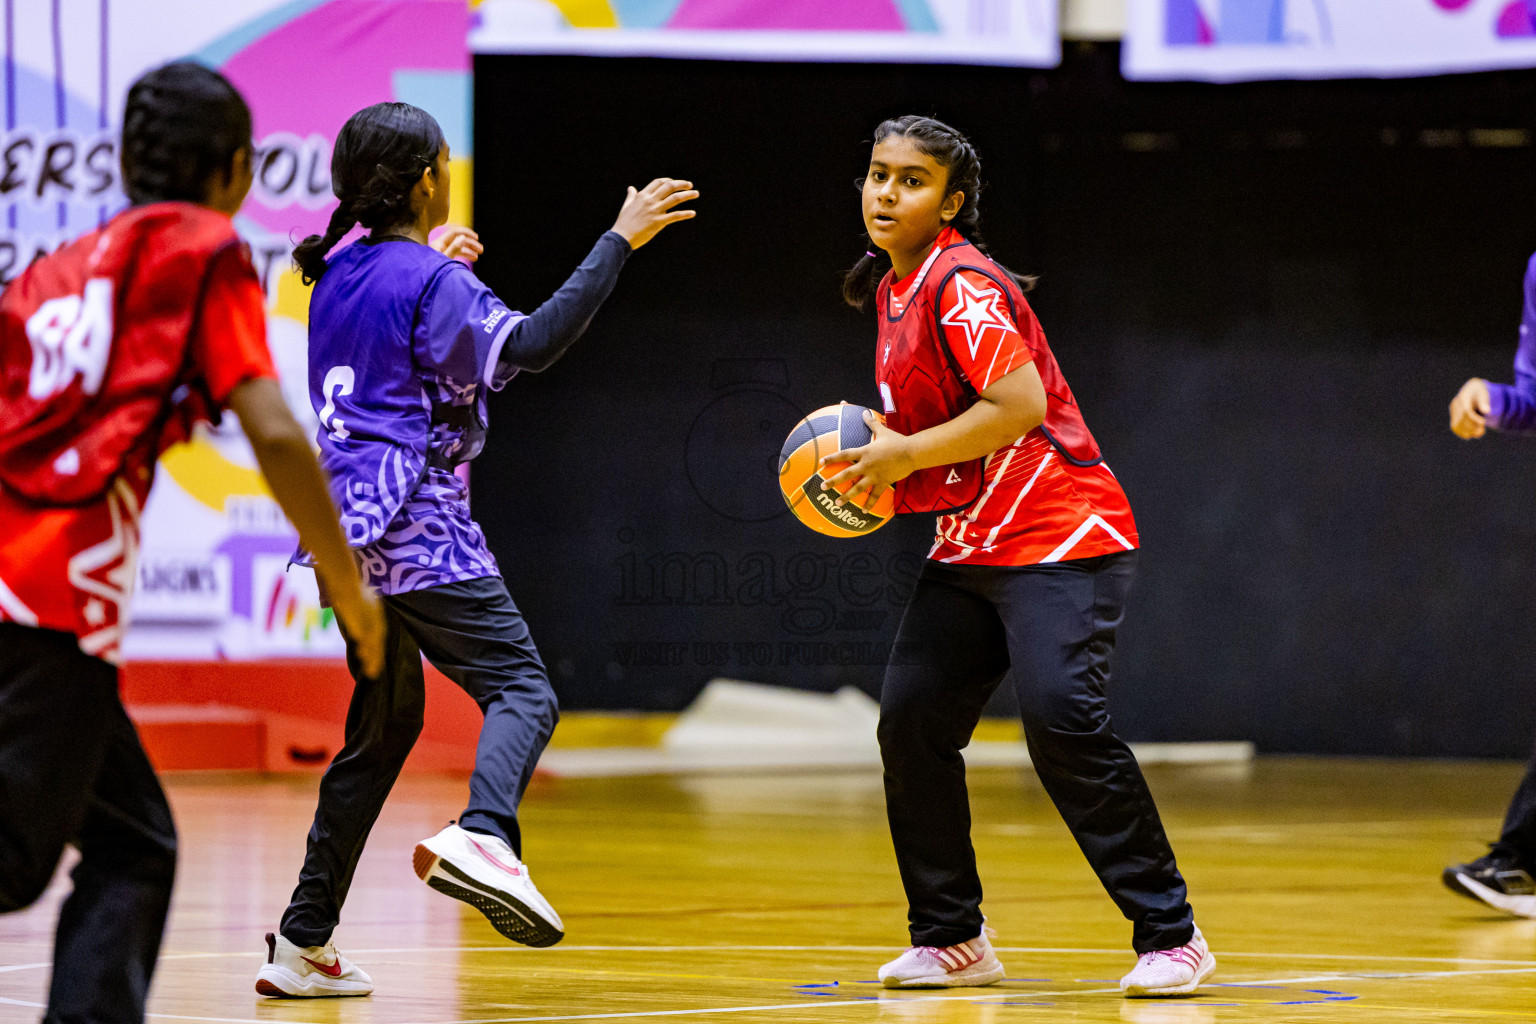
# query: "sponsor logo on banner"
{"points": [[288, 618], [181, 586]]}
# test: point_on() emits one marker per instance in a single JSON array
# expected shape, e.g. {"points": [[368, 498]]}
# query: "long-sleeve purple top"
{"points": [[1513, 406], [404, 345]]}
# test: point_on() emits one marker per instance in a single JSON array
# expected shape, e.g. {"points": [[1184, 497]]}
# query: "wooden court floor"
{"points": [[775, 898]]}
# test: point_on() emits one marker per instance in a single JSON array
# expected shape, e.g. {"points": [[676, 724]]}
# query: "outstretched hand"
{"points": [[646, 211], [871, 469], [458, 242]]}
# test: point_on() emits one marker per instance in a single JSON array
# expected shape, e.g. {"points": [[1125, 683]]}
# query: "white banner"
{"points": [[1236, 40], [1016, 32]]}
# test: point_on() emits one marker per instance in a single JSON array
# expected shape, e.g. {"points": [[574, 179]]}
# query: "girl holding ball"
{"points": [[1028, 574]]}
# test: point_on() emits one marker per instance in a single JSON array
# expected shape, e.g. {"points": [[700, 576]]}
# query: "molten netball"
{"points": [[833, 428]]}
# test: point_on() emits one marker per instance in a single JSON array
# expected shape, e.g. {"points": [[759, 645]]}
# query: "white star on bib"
{"points": [[976, 310]]}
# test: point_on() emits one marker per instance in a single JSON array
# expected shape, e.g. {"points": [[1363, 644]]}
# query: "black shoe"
{"points": [[1498, 879]]}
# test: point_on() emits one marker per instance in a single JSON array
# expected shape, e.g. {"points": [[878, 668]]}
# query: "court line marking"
{"points": [[1100, 951], [21, 1002], [1296, 956], [973, 996], [1075, 950]]}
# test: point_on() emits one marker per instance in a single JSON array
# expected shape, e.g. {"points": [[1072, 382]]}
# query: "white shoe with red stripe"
{"points": [[1170, 972], [964, 965], [308, 972], [483, 871]]}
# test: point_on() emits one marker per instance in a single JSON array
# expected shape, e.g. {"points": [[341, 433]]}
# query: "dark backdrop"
{"points": [[1263, 295]]}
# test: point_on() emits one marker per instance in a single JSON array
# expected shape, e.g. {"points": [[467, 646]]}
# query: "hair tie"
{"points": [[870, 255]]}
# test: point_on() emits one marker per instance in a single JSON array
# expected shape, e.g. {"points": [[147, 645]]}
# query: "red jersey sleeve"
{"points": [[230, 343], [980, 331]]}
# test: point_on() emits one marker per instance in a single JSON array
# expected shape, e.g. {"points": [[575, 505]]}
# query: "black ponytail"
{"points": [[182, 125], [954, 152], [379, 157], [863, 277], [309, 255]]}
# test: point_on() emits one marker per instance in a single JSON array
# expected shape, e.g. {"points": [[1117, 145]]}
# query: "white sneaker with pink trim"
{"points": [[483, 871], [1170, 972], [967, 964]]}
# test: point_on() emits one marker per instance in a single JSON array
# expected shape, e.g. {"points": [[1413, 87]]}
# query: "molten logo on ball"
{"points": [[847, 515]]}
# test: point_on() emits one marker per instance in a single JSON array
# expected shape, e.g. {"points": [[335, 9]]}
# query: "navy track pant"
{"points": [[473, 634]]}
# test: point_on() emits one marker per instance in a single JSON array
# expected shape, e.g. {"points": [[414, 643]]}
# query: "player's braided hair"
{"points": [[182, 124], [379, 157], [954, 152]]}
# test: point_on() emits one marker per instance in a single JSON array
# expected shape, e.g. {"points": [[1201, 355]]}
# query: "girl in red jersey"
{"points": [[1028, 574]]}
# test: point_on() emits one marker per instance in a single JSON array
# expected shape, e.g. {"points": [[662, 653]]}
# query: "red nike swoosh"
{"points": [[494, 859], [329, 970]]}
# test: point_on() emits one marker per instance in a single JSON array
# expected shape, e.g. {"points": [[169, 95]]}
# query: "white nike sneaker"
{"points": [[971, 963], [482, 871], [309, 971], [1170, 972]]}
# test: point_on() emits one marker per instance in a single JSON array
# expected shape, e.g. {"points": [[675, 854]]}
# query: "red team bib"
{"points": [[109, 349], [948, 332]]}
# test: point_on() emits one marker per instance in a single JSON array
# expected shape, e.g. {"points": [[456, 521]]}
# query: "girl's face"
{"points": [[437, 202], [905, 203]]}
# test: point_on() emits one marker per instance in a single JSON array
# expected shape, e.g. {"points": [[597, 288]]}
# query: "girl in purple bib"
{"points": [[1505, 876], [405, 344]]}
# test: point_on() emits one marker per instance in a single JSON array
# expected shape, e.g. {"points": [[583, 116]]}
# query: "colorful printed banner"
{"points": [[1018, 32], [1233, 40], [211, 580]]}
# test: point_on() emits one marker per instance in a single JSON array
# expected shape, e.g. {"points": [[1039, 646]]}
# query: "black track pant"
{"points": [[72, 772], [1519, 833], [1054, 627], [473, 634]]}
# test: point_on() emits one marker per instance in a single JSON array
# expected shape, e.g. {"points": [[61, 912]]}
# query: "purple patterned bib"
{"points": [[403, 346]]}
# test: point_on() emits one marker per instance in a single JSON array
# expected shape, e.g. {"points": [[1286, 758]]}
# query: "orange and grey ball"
{"points": [[831, 429]]}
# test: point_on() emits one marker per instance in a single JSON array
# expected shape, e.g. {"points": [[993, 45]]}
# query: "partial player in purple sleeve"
{"points": [[1505, 877], [1481, 406], [405, 344]]}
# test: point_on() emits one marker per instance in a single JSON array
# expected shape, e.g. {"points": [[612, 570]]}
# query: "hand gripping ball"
{"points": [[834, 428]]}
